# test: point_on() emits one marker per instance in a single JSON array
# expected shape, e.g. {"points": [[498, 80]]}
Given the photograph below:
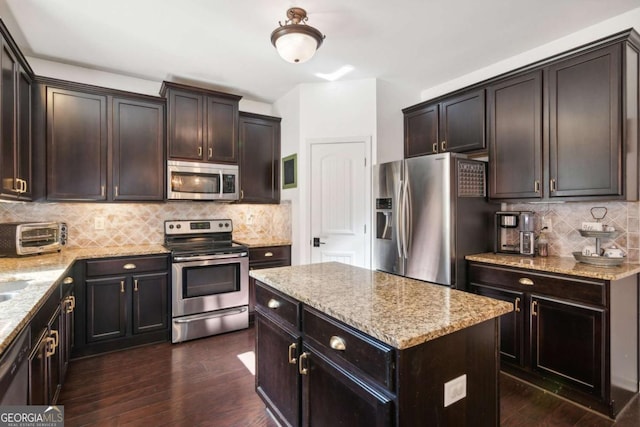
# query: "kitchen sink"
{"points": [[11, 288]]}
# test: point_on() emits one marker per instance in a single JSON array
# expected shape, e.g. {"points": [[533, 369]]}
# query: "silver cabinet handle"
{"points": [[67, 280], [274, 304], [70, 303], [135, 285], [552, 185], [200, 151], [525, 281], [210, 152], [116, 190], [102, 190], [51, 348], [292, 357], [435, 147], [517, 305], [304, 370], [337, 343], [534, 305], [268, 254], [443, 145], [536, 186], [122, 286], [129, 266]]}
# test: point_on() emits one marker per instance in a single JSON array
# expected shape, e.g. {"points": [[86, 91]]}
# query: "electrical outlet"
{"points": [[250, 219], [98, 223], [455, 390], [546, 222]]}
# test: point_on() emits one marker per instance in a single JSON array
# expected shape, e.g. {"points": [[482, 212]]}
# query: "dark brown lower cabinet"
{"points": [[313, 370], [265, 257], [574, 336], [52, 339], [125, 302]]}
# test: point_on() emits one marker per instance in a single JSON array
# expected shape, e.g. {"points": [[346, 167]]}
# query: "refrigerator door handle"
{"points": [[407, 220], [400, 213]]}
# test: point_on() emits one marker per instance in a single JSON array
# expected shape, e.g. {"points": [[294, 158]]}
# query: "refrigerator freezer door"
{"points": [[387, 181], [429, 231]]}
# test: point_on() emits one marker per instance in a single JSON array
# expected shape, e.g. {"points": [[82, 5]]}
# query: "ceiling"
{"points": [[226, 43]]}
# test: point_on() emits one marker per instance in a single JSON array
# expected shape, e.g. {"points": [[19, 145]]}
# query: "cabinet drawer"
{"points": [[337, 340], [127, 265], [277, 305], [575, 289], [270, 254]]}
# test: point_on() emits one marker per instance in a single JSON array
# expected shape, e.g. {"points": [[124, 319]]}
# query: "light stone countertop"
{"points": [[561, 265], [399, 311], [261, 242], [42, 272]]}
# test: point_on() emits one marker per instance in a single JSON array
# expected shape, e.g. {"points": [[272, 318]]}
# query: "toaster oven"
{"points": [[28, 238]]}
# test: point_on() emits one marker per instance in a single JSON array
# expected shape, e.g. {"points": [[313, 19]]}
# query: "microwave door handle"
{"points": [[220, 183]]}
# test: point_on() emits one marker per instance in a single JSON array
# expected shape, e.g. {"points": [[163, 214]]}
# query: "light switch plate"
{"points": [[455, 390]]}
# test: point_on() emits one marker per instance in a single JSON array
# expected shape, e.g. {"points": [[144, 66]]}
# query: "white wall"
{"points": [[579, 38], [57, 70], [391, 98]]}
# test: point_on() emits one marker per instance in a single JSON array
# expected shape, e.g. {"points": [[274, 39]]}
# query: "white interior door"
{"points": [[340, 203]]}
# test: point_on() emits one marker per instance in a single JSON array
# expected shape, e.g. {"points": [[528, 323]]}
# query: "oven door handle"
{"points": [[218, 313], [210, 257]]}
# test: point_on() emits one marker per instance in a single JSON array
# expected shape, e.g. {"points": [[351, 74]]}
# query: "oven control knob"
{"points": [[178, 226], [170, 226], [226, 224], [220, 225]]}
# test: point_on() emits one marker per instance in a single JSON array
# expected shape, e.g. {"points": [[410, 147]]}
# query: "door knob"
{"points": [[317, 242]]}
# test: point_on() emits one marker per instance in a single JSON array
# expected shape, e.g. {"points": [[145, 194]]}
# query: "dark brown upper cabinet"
{"points": [[138, 150], [259, 158], [455, 124], [101, 145], [585, 124], [16, 178], [514, 128], [564, 129], [202, 124], [76, 145]]}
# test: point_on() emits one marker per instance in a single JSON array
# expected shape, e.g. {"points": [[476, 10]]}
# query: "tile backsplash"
{"points": [[567, 218], [143, 223]]}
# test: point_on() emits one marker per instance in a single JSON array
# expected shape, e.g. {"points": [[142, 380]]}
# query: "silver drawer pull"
{"points": [[525, 281], [129, 266], [274, 304], [268, 254], [292, 352], [337, 343], [67, 280]]}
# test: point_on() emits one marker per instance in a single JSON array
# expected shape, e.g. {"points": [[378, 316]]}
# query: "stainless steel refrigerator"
{"points": [[431, 211]]}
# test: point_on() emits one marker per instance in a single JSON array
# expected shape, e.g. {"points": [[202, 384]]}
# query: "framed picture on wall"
{"points": [[290, 171]]}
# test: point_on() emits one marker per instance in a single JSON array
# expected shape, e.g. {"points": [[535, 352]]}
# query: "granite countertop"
{"points": [[251, 242], [561, 265], [399, 311], [41, 272]]}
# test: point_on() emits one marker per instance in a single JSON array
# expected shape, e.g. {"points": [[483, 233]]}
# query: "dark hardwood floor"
{"points": [[203, 383]]}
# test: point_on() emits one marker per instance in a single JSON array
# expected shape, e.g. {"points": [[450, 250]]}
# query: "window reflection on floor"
{"points": [[248, 359]]}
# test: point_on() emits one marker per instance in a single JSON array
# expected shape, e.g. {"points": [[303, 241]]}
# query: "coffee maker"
{"points": [[515, 233], [527, 233]]}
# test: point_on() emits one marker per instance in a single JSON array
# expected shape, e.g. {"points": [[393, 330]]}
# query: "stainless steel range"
{"points": [[210, 276]]}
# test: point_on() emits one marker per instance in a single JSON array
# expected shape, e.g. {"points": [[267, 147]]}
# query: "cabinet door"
{"points": [[138, 150], [585, 145], [66, 332], [38, 372], [8, 64], [24, 154], [567, 343], [259, 159], [462, 123], [421, 131], [277, 379], [331, 396], [54, 357], [222, 130], [76, 145], [515, 137], [185, 125], [106, 308], [150, 302], [511, 324]]}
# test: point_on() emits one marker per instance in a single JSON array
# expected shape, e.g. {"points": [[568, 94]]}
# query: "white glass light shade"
{"points": [[296, 47]]}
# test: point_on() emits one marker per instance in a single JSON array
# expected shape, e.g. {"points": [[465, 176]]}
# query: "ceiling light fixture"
{"points": [[295, 41]]}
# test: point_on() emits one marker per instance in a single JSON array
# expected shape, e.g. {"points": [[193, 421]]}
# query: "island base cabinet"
{"points": [[331, 396], [277, 378]]}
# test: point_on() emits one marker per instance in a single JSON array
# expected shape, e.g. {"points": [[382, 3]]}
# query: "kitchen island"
{"points": [[342, 345]]}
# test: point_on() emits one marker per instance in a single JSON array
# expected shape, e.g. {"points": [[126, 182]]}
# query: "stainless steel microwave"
{"points": [[201, 181]]}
